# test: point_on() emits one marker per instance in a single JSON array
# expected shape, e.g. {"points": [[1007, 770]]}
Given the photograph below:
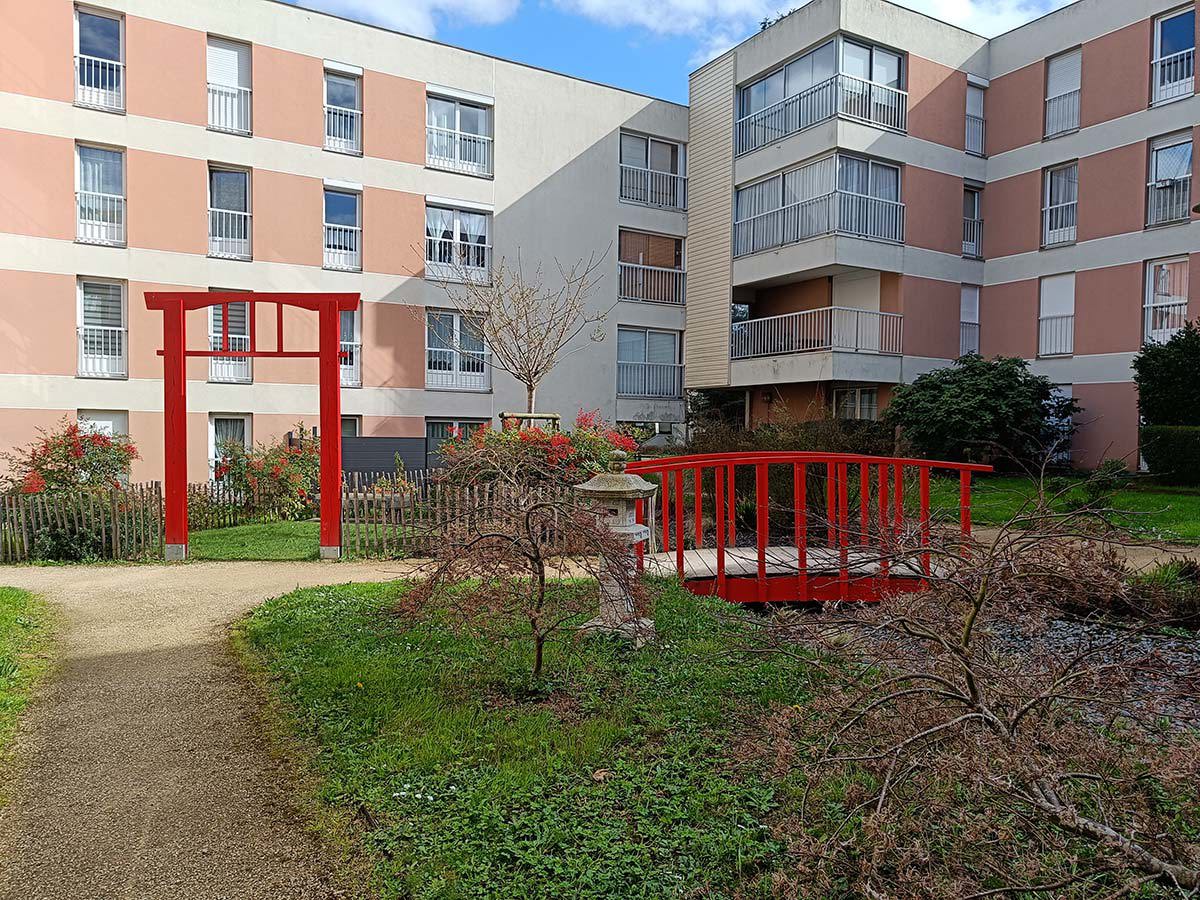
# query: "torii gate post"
{"points": [[174, 307]]}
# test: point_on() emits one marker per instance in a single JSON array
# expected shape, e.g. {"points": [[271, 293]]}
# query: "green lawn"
{"points": [[271, 541], [24, 639], [618, 778]]}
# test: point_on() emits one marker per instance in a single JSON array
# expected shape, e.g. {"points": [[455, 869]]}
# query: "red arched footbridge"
{"points": [[776, 527]]}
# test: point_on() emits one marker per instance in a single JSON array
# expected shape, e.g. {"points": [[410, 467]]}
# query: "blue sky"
{"points": [[643, 45]]}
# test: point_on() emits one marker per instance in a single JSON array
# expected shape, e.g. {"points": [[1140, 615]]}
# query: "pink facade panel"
{"points": [[168, 71], [288, 216], [937, 102], [1194, 287], [1108, 309], [158, 188], [37, 330], [146, 332], [1112, 192], [393, 337], [1108, 424], [397, 131], [393, 426], [933, 210], [19, 427], [1008, 315], [38, 174], [931, 317], [1116, 74], [38, 49], [1015, 109], [393, 232], [1013, 223], [289, 91]]}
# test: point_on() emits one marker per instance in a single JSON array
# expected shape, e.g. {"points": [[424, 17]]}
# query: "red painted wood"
{"points": [[898, 484], [843, 487], [762, 499], [253, 327], [225, 326], [175, 526], [679, 523], [732, 510], [698, 483], [864, 502], [964, 503], [664, 491], [831, 504], [331, 426], [800, 515], [279, 329], [925, 518], [881, 474], [639, 507], [719, 493]]}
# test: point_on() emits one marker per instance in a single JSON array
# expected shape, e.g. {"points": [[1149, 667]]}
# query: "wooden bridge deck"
{"points": [[742, 562]]}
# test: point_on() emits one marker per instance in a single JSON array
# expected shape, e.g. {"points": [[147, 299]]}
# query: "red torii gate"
{"points": [[174, 306]]}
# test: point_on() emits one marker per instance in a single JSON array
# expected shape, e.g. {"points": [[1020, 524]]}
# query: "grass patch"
{"points": [[24, 637], [620, 776], [269, 541]]}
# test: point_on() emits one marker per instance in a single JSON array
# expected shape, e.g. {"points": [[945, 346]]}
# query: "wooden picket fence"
{"points": [[117, 524], [215, 504]]}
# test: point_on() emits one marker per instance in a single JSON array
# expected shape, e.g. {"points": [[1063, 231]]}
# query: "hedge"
{"points": [[1173, 452]]}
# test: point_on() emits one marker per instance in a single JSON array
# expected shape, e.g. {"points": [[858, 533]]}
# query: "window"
{"points": [[856, 403], [1173, 71], [871, 86], [976, 121], [351, 426], [648, 363], [343, 230], [351, 346], [1060, 205], [225, 429], [437, 431], [458, 136], [109, 422], [102, 329], [457, 244], [228, 213], [1166, 302], [229, 369], [972, 223], [968, 320], [1063, 74], [1169, 193], [343, 113], [99, 59], [228, 85], [455, 355], [813, 68], [1056, 316], [652, 171], [100, 195], [650, 267]]}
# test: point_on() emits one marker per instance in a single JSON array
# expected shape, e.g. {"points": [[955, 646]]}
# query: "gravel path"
{"points": [[142, 771]]}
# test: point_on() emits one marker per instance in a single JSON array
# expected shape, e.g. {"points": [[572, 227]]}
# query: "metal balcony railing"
{"points": [[450, 260], [660, 381], [825, 328], [650, 283], [653, 188], [101, 218], [229, 108], [343, 247], [229, 369], [1169, 200], [458, 151], [1173, 76], [976, 135], [839, 212], [458, 369], [102, 352], [973, 238], [843, 95], [351, 364], [1056, 335], [1058, 223], [343, 129], [1164, 317], [968, 338], [99, 82], [1062, 114], [228, 234]]}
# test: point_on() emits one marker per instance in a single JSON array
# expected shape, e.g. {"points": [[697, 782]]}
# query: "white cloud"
{"points": [[417, 16]]}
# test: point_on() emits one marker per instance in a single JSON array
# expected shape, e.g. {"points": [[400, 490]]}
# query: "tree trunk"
{"points": [[530, 397]]}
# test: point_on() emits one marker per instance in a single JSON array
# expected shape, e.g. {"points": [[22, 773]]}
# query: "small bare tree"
{"points": [[527, 326]]}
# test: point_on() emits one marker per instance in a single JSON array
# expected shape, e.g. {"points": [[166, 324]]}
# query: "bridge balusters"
{"points": [[864, 504], [898, 485], [732, 508], [885, 537], [925, 567], [762, 501], [843, 490], [719, 495], [698, 477], [679, 523], [830, 505], [664, 491], [964, 502], [640, 553], [800, 523]]}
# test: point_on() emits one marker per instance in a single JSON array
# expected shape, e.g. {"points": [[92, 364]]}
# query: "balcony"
{"points": [[228, 234], [351, 363], [343, 248], [1169, 200], [99, 83], [229, 369], [229, 108], [1056, 335], [458, 151], [1062, 114], [1058, 224], [968, 338], [343, 129], [652, 284], [653, 188], [824, 329], [976, 135], [655, 381], [101, 218], [973, 238], [102, 352], [839, 212], [457, 370], [1164, 317], [450, 260], [841, 95], [1173, 77]]}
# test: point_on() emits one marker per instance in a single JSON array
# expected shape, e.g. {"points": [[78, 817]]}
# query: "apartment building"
{"points": [[875, 193], [252, 145]]}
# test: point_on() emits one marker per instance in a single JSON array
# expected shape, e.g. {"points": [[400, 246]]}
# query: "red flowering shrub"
{"points": [[69, 458], [279, 478]]}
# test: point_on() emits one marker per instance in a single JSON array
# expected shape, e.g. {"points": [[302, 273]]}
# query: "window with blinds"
{"points": [[660, 250], [102, 305], [1063, 74], [228, 63]]}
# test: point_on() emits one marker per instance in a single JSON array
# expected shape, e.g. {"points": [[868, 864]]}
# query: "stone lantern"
{"points": [[616, 493]]}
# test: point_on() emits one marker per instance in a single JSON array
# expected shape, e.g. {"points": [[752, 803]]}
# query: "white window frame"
{"points": [[335, 262], [1056, 339], [214, 212], [459, 137], [981, 92], [120, 61], [333, 143], [1186, 87], [122, 371], [124, 195], [1062, 117], [1158, 145], [1150, 305], [969, 299], [456, 377], [238, 93], [437, 270], [247, 418], [229, 369], [358, 425], [1047, 217], [350, 370], [859, 392], [112, 418]]}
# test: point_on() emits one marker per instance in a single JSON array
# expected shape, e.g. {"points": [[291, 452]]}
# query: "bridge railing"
{"points": [[844, 508]]}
